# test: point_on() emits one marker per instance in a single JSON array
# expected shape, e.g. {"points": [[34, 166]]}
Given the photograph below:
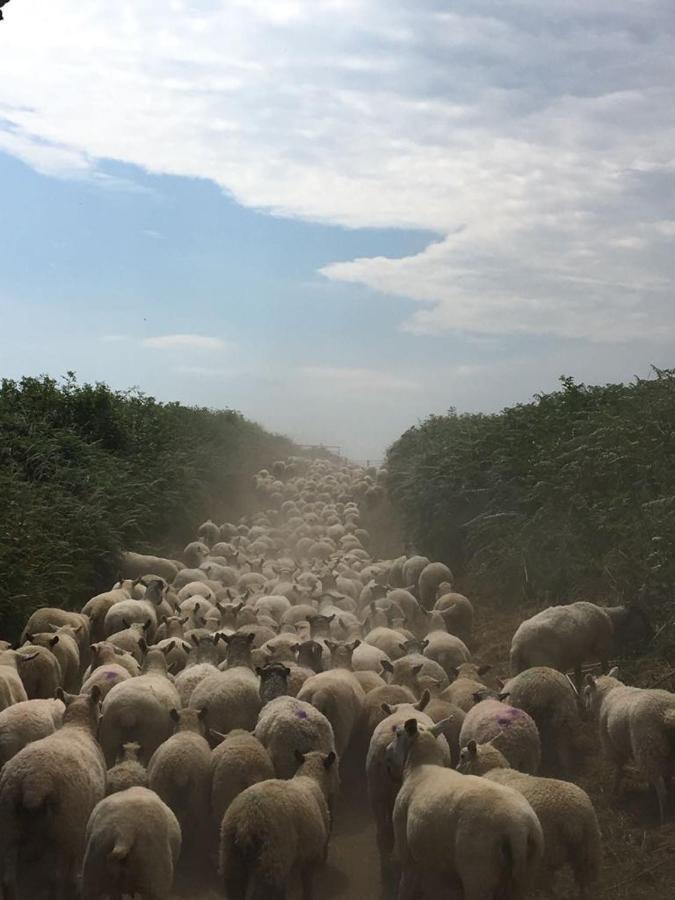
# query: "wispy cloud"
{"points": [[359, 379], [184, 342]]}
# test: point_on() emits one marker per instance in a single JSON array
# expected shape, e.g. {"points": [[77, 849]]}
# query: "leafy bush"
{"points": [[86, 471], [572, 494]]}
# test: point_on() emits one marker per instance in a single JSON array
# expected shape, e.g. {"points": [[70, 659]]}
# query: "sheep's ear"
{"points": [[422, 702], [403, 647], [504, 695], [329, 619], [498, 681], [142, 645], [329, 760], [147, 624], [250, 637], [174, 714], [54, 641], [331, 645], [410, 727], [60, 694], [416, 669], [453, 673], [126, 623], [93, 648], [613, 672], [440, 727], [387, 666], [472, 747], [299, 757], [217, 734], [483, 670], [258, 671], [478, 697], [354, 645], [203, 712], [386, 708], [589, 680], [95, 694], [287, 671]]}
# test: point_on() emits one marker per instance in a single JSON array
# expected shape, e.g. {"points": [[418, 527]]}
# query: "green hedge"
{"points": [[572, 494], [86, 471]]}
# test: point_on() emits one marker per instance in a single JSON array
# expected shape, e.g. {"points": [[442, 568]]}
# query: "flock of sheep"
{"points": [[208, 709]]}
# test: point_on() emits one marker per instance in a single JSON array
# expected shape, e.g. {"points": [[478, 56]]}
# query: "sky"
{"points": [[338, 216]]}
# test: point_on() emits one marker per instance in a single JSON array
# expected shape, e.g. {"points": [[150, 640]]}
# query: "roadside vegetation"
{"points": [[86, 471]]}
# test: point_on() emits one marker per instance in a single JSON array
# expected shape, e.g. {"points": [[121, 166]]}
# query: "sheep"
{"points": [[47, 792], [180, 773], [286, 725], [209, 532], [127, 772], [276, 827], [48, 618], [456, 610], [339, 696], [136, 565], [63, 644], [565, 812], [133, 844], [455, 826], [382, 787], [201, 662], [195, 553], [445, 649], [409, 669], [139, 710], [413, 568], [27, 721], [123, 614], [132, 639], [239, 761], [106, 653], [463, 689], [387, 640], [566, 637], [428, 580], [97, 607], [11, 686], [374, 706], [638, 725], [40, 673], [550, 699], [230, 698], [514, 732]]}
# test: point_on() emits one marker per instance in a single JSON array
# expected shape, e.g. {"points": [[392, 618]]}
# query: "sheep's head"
{"points": [[477, 759], [414, 742]]}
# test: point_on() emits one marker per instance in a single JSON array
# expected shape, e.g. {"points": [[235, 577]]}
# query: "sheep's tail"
{"points": [[248, 854], [519, 852], [120, 849], [36, 790]]}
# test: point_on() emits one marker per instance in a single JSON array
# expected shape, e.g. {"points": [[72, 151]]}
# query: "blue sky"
{"points": [[337, 216]]}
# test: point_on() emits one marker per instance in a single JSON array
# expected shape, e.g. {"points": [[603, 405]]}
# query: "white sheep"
{"points": [[275, 828], [230, 698], [40, 671], [460, 827], [513, 731], [565, 813], [463, 689], [202, 661], [287, 725], [63, 644], [11, 686], [25, 722], [638, 725], [47, 792], [339, 696], [139, 710], [136, 565], [133, 845], [180, 773], [239, 761], [128, 771], [428, 580]]}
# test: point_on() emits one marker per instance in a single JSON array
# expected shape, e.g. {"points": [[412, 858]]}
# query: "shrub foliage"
{"points": [[570, 495], [86, 471]]}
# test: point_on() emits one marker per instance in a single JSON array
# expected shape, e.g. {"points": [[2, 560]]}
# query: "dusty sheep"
{"points": [[63, 644], [565, 812], [512, 730], [40, 671], [133, 845], [461, 827], [136, 565], [25, 722], [11, 686], [463, 689], [230, 698], [339, 696], [49, 618], [638, 725], [456, 611], [428, 581], [128, 771], [276, 828], [239, 761], [47, 792]]}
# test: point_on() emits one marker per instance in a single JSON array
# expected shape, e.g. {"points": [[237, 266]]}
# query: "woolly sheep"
{"points": [[428, 581], [413, 568], [133, 845], [139, 710], [11, 686], [63, 644], [513, 731], [638, 725], [445, 649], [339, 696], [463, 689], [382, 787], [456, 826], [230, 698], [565, 813], [25, 722], [132, 639], [457, 613], [201, 663], [97, 607], [49, 618], [128, 771], [286, 725], [275, 828], [180, 773], [239, 761], [136, 565], [410, 669], [120, 616], [105, 653], [549, 698], [47, 792], [40, 671]]}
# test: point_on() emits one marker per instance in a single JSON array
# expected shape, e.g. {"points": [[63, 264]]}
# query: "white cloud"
{"points": [[368, 380], [536, 139], [184, 342]]}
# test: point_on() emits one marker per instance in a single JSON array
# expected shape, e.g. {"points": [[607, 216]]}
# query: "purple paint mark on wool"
{"points": [[301, 714], [110, 675], [507, 717]]}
